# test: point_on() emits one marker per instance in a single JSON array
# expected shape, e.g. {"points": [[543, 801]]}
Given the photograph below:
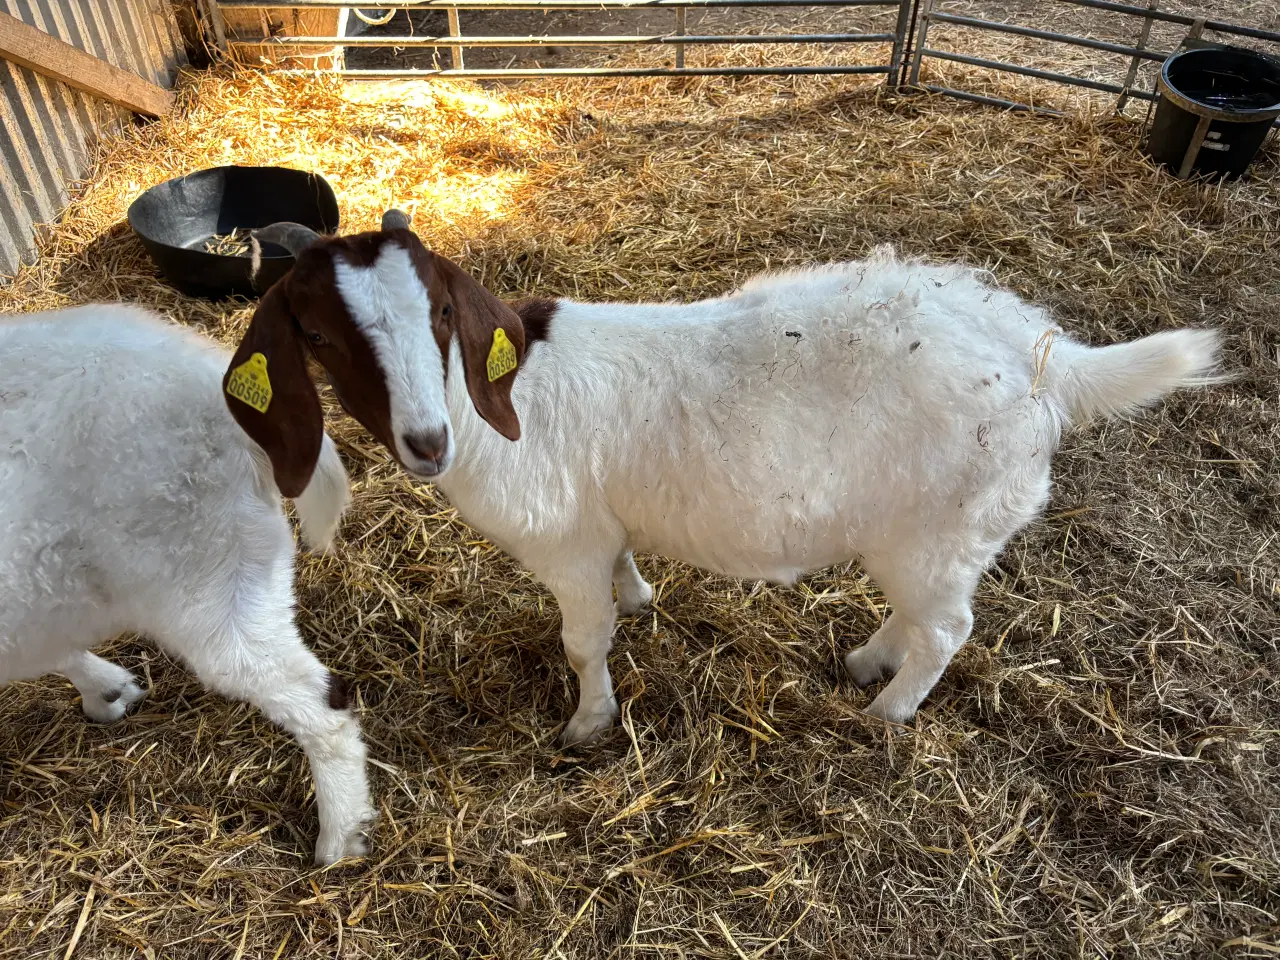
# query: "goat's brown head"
{"points": [[382, 315]]}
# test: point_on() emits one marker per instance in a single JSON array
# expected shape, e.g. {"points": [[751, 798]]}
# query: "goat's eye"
{"points": [[446, 311], [316, 339]]}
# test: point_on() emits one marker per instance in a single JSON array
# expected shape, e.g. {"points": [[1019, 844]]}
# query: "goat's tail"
{"points": [[321, 506], [1122, 379]]}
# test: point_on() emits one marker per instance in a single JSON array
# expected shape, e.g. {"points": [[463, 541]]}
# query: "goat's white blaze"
{"points": [[392, 308]]}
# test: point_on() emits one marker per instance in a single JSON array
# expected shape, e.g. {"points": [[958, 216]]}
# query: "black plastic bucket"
{"points": [[1215, 108], [178, 219]]}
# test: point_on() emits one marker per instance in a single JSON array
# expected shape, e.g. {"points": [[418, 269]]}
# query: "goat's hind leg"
{"points": [[634, 592], [932, 618], [106, 690], [881, 656], [932, 640]]}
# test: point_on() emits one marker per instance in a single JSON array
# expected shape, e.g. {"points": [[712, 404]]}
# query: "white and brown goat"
{"points": [[890, 411]]}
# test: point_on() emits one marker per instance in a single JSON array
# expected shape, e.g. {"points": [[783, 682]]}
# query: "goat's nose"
{"points": [[428, 445]]}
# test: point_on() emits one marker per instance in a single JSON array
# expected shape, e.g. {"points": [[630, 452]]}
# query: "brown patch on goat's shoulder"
{"points": [[536, 314], [339, 693]]}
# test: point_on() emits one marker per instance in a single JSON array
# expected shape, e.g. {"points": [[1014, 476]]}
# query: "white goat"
{"points": [[894, 412], [132, 501]]}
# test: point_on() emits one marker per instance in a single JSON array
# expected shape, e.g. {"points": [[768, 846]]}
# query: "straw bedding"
{"points": [[1096, 774]]}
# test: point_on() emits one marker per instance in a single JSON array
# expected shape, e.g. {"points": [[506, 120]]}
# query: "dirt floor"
{"points": [[1097, 774]]}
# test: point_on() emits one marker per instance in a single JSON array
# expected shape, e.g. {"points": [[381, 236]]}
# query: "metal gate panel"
{"points": [[918, 22], [930, 16], [457, 42]]}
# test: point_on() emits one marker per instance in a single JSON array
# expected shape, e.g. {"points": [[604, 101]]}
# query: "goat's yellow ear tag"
{"points": [[502, 355], [249, 383]]}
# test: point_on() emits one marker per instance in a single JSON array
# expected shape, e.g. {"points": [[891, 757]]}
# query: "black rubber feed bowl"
{"points": [[1216, 107], [179, 219]]}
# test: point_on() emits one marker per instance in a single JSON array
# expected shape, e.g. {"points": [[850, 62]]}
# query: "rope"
{"points": [[370, 20]]}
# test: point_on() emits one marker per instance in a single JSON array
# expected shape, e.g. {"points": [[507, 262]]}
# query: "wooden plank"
{"points": [[34, 49]]}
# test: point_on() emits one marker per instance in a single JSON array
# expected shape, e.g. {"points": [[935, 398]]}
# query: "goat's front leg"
{"points": [[585, 595], [257, 655]]}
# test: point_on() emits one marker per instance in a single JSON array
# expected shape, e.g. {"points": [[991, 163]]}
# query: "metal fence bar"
{"points": [[1219, 26], [922, 34], [680, 12], [524, 73], [1134, 63], [460, 42], [901, 42], [1101, 85], [1135, 52], [1193, 147], [992, 101]]}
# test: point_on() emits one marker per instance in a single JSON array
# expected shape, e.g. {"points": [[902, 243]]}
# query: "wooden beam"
{"points": [[34, 49]]}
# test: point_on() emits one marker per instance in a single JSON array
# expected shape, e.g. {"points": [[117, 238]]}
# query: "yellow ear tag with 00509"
{"points": [[502, 355], [249, 383]]}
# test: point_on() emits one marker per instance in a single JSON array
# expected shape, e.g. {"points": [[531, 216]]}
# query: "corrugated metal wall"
{"points": [[47, 129]]}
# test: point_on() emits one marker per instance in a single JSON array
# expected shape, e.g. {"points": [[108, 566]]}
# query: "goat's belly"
{"points": [[746, 516], [777, 556]]}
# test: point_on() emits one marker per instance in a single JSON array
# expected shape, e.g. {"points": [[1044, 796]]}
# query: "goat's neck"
{"points": [[592, 351]]}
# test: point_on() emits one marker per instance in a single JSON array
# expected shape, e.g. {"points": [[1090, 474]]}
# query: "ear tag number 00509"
{"points": [[502, 355], [249, 383]]}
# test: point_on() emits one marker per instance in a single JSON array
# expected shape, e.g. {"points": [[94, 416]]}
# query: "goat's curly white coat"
{"points": [[132, 501], [891, 411]]}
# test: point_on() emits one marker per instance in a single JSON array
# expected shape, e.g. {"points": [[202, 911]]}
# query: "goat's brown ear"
{"points": [[269, 392], [491, 337]]}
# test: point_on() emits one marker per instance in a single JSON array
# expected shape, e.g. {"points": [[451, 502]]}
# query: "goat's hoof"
{"points": [[587, 725], [111, 705], [882, 709], [863, 672], [342, 843]]}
